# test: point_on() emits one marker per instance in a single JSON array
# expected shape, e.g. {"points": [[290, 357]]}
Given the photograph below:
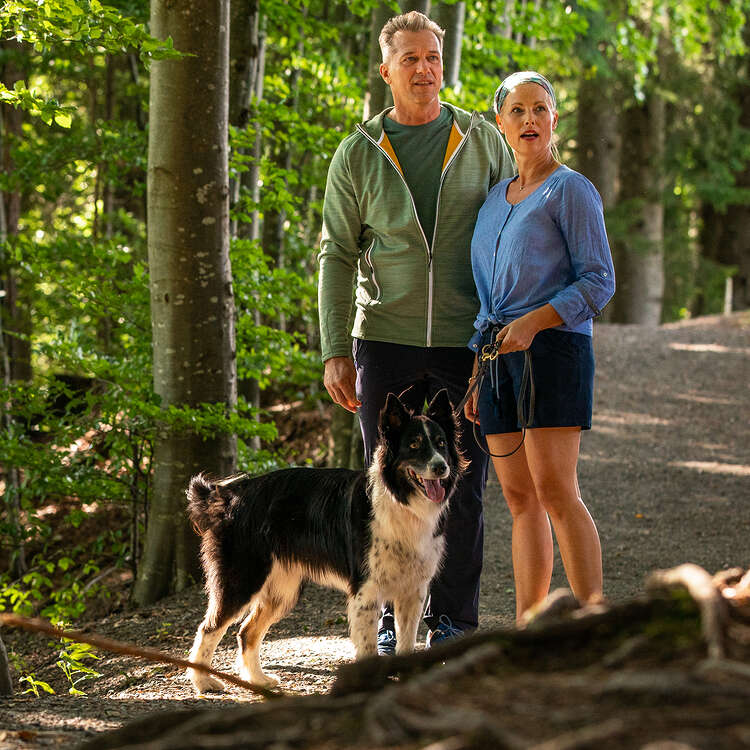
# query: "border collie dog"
{"points": [[375, 535]]}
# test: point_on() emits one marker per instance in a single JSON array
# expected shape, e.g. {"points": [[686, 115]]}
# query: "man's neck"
{"points": [[405, 115]]}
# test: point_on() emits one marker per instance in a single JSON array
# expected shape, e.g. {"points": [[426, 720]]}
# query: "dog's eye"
{"points": [[440, 443], [415, 444]]}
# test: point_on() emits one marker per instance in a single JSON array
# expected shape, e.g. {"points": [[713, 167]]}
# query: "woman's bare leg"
{"points": [[531, 544]]}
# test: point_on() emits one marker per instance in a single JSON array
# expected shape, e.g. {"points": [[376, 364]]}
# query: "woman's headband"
{"points": [[515, 79]]}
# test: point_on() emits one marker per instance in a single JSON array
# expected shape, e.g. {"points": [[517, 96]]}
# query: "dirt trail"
{"points": [[665, 473]]}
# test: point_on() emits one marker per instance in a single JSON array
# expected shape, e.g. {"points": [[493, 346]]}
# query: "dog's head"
{"points": [[419, 454]]}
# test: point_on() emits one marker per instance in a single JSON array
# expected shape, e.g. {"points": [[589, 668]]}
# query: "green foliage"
{"points": [[81, 27], [83, 24], [79, 437], [71, 660], [35, 684]]}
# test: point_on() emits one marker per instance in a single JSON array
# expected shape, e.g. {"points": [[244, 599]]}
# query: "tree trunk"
{"points": [[499, 19], [192, 304], [451, 18], [423, 6], [243, 59], [16, 303], [244, 51], [274, 221], [725, 234], [639, 256], [598, 153], [378, 95], [341, 438], [250, 179], [14, 362], [6, 683]]}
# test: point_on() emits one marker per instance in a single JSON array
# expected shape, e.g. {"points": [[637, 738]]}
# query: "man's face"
{"points": [[414, 70]]}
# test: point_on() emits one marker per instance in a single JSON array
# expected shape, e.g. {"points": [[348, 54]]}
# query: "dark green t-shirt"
{"points": [[420, 150]]}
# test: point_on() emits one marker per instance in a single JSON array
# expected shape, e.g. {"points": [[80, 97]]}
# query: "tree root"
{"points": [[700, 585], [619, 676], [590, 736], [400, 711], [128, 649]]}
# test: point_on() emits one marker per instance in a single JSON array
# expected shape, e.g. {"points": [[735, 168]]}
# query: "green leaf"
{"points": [[63, 119]]}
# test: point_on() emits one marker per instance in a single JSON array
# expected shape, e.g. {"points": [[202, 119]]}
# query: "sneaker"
{"points": [[386, 642], [444, 631]]}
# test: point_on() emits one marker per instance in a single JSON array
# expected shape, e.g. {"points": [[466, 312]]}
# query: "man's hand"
{"points": [[340, 380]]}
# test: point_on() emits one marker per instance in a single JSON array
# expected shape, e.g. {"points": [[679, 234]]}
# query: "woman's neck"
{"points": [[535, 170]]}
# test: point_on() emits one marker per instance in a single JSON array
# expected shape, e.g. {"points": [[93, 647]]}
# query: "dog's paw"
{"points": [[267, 680], [204, 683], [260, 679], [404, 648]]}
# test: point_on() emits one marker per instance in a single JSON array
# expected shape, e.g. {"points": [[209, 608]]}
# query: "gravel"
{"points": [[665, 472]]}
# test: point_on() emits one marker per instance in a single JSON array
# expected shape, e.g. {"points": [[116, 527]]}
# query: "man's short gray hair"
{"points": [[411, 21]]}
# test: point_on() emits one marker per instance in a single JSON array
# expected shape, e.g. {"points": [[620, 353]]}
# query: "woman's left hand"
{"points": [[518, 335]]}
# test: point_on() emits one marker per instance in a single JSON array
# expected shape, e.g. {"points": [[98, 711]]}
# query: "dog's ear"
{"points": [[393, 415], [440, 408]]}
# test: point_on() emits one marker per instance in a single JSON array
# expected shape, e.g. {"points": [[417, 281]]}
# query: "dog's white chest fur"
{"points": [[396, 567], [404, 554]]}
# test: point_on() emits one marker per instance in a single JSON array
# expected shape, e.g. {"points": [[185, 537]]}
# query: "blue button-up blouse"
{"points": [[550, 248]]}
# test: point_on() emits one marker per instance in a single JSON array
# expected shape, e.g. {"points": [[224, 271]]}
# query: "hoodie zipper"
{"points": [[430, 276], [368, 260], [428, 248]]}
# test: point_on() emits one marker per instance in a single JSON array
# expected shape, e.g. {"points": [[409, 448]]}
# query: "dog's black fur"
{"points": [[375, 535]]}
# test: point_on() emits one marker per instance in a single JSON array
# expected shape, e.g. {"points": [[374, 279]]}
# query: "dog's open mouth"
{"points": [[433, 488]]}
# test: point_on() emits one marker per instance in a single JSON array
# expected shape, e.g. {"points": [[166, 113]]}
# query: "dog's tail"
{"points": [[208, 500]]}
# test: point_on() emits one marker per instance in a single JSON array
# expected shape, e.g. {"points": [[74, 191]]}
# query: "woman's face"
{"points": [[527, 119]]}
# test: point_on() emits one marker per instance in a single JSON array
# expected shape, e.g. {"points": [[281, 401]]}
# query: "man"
{"points": [[402, 196]]}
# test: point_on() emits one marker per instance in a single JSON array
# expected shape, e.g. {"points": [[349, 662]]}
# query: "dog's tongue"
{"points": [[434, 490]]}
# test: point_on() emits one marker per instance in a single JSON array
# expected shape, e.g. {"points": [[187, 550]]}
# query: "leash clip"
{"points": [[490, 352]]}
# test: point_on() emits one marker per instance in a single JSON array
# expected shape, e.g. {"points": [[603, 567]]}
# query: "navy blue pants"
{"points": [[419, 373]]}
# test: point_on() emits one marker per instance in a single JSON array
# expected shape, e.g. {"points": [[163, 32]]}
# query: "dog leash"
{"points": [[490, 353]]}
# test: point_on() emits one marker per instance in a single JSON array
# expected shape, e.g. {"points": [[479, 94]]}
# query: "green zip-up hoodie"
{"points": [[408, 290]]}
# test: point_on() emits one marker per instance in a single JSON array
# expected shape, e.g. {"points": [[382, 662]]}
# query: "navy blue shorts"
{"points": [[563, 367]]}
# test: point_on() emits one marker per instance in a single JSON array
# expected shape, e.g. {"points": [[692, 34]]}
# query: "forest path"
{"points": [[665, 472]]}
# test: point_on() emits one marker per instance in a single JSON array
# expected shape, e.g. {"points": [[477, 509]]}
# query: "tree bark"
{"points": [[250, 179], [6, 683], [639, 256], [378, 95], [341, 438], [598, 152], [423, 6], [192, 304], [274, 232], [243, 59], [724, 234], [8, 347], [451, 18], [599, 142], [16, 303]]}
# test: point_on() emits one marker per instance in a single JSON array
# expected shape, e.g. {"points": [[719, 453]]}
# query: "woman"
{"points": [[543, 270]]}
